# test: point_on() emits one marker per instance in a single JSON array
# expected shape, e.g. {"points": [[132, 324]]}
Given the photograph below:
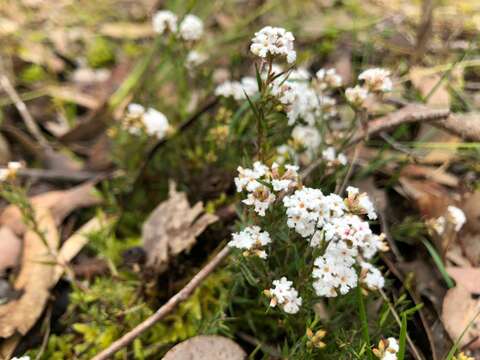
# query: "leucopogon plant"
{"points": [[298, 244]]}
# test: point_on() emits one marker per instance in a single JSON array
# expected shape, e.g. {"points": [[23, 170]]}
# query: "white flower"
{"points": [[327, 105], [356, 95], [238, 89], [331, 157], [283, 91], [306, 105], [328, 79], [307, 136], [252, 240], [153, 122], [387, 349], [284, 294], [21, 358], [164, 21], [371, 276], [273, 41], [10, 171], [377, 80], [456, 216], [247, 178], [191, 28], [156, 123], [360, 203], [194, 59], [300, 74], [261, 199]]}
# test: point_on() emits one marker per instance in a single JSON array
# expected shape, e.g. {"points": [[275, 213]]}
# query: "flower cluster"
{"points": [[387, 349], [190, 28], [252, 240], [238, 90], [261, 182], [284, 295], [454, 218], [151, 121], [375, 81], [10, 171], [336, 222], [328, 79], [273, 42], [332, 158]]}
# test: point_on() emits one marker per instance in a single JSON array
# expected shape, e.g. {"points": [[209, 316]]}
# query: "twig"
{"points": [[165, 309], [342, 187], [411, 113], [412, 346], [467, 126], [24, 113], [58, 175]]}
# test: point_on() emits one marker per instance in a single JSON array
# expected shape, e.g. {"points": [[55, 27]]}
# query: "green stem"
{"points": [[363, 319]]}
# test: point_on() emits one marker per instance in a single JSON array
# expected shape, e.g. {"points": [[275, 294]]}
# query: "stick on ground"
{"points": [[165, 309]]}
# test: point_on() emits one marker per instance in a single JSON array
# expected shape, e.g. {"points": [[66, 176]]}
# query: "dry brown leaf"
{"points": [[72, 246], [35, 278], [431, 198], [425, 82], [206, 347], [8, 346], [172, 228], [468, 277], [60, 203], [10, 249], [459, 309], [435, 174]]}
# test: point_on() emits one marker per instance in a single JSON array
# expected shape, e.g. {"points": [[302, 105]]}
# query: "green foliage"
{"points": [[100, 53], [33, 73]]}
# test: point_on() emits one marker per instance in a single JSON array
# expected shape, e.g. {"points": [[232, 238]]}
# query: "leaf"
{"points": [[172, 228], [10, 249], [431, 86], [468, 277], [72, 246], [60, 203], [460, 316], [36, 277], [206, 347]]}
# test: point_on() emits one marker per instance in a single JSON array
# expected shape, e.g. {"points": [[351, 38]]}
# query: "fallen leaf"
{"points": [[431, 198], [10, 249], [60, 204], [72, 246], [426, 82], [459, 310], [468, 277], [206, 347], [435, 174], [172, 228], [35, 278]]}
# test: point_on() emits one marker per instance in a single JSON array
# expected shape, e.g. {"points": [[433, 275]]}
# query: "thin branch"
{"points": [[23, 110], [165, 309], [467, 126], [58, 175], [411, 113]]}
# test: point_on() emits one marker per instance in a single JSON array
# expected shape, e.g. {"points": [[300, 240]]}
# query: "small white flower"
{"points": [[194, 59], [456, 216], [239, 90], [371, 276], [285, 295], [153, 122], [283, 91], [387, 349], [331, 157], [328, 79], [252, 240], [274, 41], [191, 28], [10, 171], [307, 136], [356, 95], [156, 123], [377, 80], [22, 358], [165, 21]]}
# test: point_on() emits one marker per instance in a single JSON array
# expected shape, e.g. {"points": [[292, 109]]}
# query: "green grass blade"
{"points": [[438, 261]]}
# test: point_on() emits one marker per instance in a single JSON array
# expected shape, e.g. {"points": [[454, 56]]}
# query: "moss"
{"points": [[100, 53], [32, 74]]}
